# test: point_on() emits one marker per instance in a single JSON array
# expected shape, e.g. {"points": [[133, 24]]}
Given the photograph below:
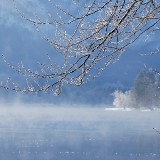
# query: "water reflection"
{"points": [[93, 134]]}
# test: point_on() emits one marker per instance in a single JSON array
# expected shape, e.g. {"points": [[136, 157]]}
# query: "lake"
{"points": [[65, 133]]}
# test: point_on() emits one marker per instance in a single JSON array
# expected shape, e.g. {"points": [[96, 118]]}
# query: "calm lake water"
{"points": [[45, 133]]}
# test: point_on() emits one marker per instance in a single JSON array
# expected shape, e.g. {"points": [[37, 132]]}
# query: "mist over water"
{"points": [[46, 132]]}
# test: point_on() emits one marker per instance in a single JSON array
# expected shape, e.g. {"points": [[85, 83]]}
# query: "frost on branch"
{"points": [[89, 36]]}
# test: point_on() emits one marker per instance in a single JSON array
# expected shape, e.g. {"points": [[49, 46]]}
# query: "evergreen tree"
{"points": [[144, 89]]}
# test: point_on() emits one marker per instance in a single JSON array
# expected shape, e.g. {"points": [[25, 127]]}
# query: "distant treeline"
{"points": [[145, 92]]}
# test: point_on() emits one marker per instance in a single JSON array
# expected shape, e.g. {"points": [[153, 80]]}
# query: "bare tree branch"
{"points": [[89, 36]]}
